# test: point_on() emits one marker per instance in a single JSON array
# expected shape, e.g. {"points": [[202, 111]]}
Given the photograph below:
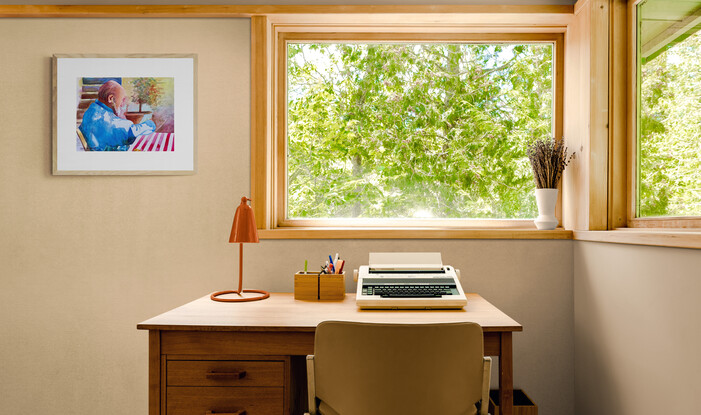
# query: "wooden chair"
{"points": [[82, 139], [407, 369]]}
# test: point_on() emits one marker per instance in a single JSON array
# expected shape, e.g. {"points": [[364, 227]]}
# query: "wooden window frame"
{"points": [[268, 178], [633, 221], [614, 215]]}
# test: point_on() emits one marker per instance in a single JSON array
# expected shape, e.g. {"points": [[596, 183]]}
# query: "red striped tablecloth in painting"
{"points": [[154, 142]]}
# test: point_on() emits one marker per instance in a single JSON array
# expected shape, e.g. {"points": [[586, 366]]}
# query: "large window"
{"points": [[410, 130], [669, 109]]}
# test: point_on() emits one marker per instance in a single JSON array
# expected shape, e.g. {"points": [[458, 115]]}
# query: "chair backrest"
{"points": [[82, 139], [363, 368]]}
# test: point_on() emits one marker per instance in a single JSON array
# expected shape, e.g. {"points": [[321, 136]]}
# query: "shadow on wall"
{"points": [[591, 360]]}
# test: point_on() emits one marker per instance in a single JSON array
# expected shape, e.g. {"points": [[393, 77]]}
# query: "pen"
{"points": [[330, 260], [340, 268], [335, 261], [305, 266]]}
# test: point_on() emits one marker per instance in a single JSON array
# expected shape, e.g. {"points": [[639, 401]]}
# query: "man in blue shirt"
{"points": [[104, 126]]}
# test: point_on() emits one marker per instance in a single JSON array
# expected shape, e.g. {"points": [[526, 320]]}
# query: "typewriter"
{"points": [[408, 280]]}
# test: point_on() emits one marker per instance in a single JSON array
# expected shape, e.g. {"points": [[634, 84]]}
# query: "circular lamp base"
{"points": [[263, 296]]}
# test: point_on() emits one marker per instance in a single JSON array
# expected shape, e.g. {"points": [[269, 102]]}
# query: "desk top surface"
{"points": [[281, 312]]}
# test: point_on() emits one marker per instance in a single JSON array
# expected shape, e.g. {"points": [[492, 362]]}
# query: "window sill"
{"points": [[678, 238], [410, 233]]}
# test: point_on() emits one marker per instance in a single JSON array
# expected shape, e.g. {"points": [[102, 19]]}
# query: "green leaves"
{"points": [[399, 130], [146, 91], [670, 132]]}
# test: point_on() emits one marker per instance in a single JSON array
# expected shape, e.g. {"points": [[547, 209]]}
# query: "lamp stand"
{"points": [[263, 296]]}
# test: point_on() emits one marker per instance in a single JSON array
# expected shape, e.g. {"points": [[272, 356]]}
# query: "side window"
{"points": [[669, 109]]}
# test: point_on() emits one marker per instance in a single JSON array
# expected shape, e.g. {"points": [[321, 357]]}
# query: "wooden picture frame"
{"points": [[119, 114]]}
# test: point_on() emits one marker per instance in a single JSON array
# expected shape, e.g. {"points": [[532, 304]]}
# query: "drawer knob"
{"points": [[236, 374], [241, 412]]}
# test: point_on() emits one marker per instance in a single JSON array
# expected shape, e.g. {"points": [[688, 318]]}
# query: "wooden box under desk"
{"points": [[228, 357]]}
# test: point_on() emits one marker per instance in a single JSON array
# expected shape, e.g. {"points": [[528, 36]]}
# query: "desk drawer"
{"points": [[223, 400], [225, 373]]}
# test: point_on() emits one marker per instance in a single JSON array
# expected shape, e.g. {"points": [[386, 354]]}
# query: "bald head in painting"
{"points": [[114, 96]]}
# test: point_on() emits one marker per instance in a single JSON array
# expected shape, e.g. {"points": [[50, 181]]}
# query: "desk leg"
{"points": [[154, 372], [506, 375]]}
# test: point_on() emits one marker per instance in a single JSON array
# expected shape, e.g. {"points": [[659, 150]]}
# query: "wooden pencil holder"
{"points": [[307, 286], [332, 287], [312, 286]]}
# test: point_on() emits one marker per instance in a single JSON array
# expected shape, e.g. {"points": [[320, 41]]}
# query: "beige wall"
{"points": [[637, 329], [84, 259]]}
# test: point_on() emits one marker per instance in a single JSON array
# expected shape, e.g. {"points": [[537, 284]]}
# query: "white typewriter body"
{"points": [[408, 280]]}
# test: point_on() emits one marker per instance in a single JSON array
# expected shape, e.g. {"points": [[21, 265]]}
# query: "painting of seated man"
{"points": [[125, 114]]}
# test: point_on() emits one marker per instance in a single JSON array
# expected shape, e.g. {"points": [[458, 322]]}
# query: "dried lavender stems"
{"points": [[548, 159]]}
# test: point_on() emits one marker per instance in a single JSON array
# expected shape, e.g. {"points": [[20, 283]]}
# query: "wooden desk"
{"points": [[198, 351]]}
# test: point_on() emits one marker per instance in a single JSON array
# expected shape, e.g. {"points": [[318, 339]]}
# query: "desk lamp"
{"points": [[243, 231]]}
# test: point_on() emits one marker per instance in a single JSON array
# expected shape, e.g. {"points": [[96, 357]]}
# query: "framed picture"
{"points": [[124, 114]]}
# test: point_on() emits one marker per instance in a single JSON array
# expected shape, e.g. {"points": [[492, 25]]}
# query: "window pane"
{"points": [[415, 130], [669, 143]]}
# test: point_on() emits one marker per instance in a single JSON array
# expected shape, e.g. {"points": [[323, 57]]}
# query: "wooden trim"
{"points": [[666, 222], [54, 115], [253, 10], [418, 36], [575, 180], [599, 113], [279, 206], [633, 105], [280, 139], [618, 116], [409, 223], [376, 24], [651, 237], [260, 120], [559, 109], [408, 233], [586, 181], [579, 5], [559, 93]]}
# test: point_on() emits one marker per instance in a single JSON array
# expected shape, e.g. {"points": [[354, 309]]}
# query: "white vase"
{"points": [[546, 200]]}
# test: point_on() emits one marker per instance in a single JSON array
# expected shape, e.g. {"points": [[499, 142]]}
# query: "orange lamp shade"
{"points": [[244, 228]]}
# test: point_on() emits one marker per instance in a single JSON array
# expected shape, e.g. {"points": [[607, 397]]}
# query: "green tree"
{"points": [[407, 130], [146, 91], [670, 131]]}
